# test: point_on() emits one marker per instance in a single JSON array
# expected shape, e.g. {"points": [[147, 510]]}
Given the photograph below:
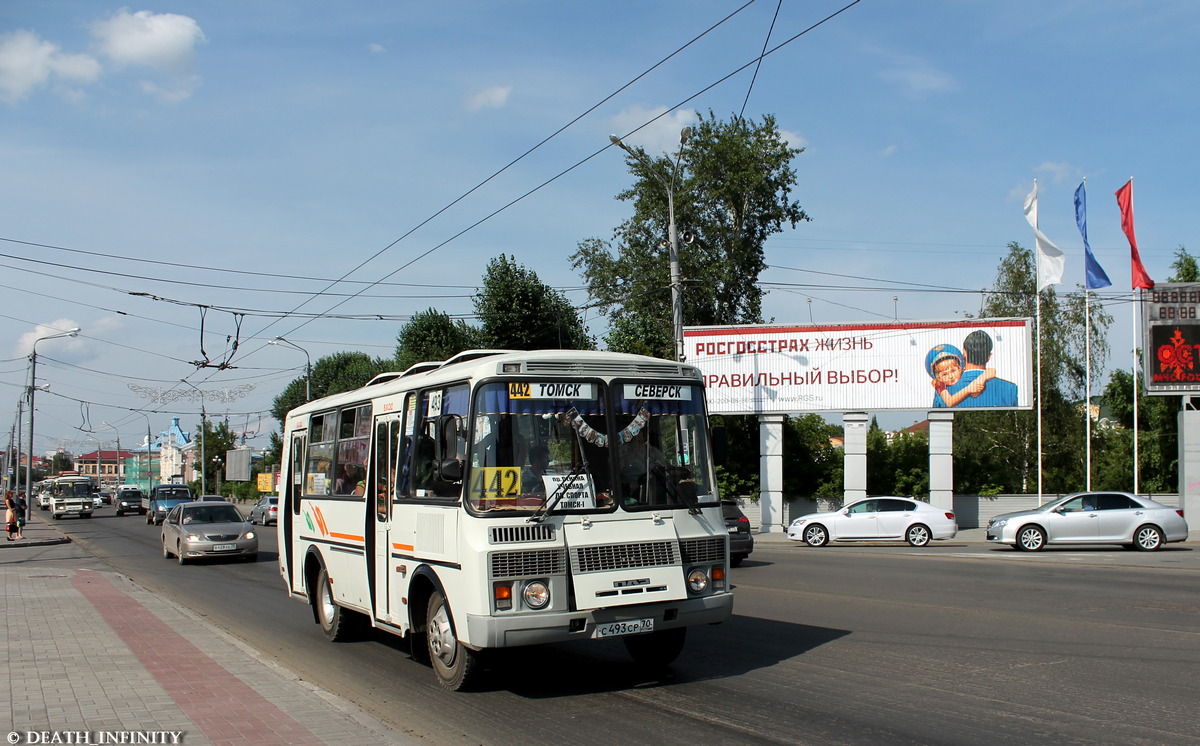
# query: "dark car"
{"points": [[163, 497], [129, 501], [741, 543]]}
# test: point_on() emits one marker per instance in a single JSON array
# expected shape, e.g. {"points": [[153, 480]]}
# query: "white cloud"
{"points": [[27, 62], [162, 41], [659, 136], [1061, 173], [889, 151], [492, 97], [26, 340], [794, 139], [916, 78], [181, 89], [376, 48]]}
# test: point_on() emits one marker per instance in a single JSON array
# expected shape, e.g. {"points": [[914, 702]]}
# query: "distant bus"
{"points": [[502, 499], [71, 494]]}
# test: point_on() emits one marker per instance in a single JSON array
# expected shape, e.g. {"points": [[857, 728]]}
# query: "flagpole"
{"points": [[1038, 302], [1137, 317], [1087, 397]]}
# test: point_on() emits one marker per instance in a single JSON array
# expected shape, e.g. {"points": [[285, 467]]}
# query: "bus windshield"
{"points": [[585, 446]]}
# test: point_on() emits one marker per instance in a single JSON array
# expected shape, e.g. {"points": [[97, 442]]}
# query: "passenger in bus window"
{"points": [[531, 476]]}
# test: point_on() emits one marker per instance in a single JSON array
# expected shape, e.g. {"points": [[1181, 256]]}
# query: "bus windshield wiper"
{"points": [[559, 493]]}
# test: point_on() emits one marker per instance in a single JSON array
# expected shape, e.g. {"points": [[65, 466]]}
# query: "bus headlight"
{"points": [[697, 580], [536, 594]]}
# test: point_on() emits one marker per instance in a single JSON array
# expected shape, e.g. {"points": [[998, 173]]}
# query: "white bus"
{"points": [[71, 495], [501, 499]]}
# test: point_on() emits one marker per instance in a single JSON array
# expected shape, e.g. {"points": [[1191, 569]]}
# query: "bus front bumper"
{"points": [[558, 626]]}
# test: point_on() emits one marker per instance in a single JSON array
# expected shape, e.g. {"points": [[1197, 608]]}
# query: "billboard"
{"points": [[778, 369], [1171, 338]]}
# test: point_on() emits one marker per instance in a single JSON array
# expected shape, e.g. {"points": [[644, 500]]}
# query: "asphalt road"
{"points": [[957, 644]]}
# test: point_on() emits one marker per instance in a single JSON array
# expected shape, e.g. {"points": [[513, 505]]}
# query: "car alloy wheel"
{"points": [[918, 535], [1031, 538], [816, 535], [1148, 538]]}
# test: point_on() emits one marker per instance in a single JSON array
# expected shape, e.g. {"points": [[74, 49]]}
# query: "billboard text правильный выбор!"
{"points": [[780, 369]]}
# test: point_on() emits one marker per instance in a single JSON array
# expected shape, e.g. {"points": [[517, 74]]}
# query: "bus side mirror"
{"points": [[448, 465], [720, 445]]}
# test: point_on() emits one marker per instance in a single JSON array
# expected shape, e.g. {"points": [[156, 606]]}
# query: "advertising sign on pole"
{"points": [[1171, 338], [901, 366]]}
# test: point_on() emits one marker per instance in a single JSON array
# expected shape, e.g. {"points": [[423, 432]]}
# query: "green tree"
{"points": [[60, 463], [809, 458], [999, 449], [332, 374], [433, 335], [517, 311], [216, 438], [732, 191], [908, 454]]}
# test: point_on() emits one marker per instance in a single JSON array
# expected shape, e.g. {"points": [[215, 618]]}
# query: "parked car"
{"points": [[876, 519], [163, 497], [265, 511], [1091, 518], [207, 529], [129, 500], [741, 543]]}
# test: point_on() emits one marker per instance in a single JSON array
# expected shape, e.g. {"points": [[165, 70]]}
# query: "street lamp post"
{"points": [[120, 462], [307, 365], [672, 234], [203, 430], [32, 388]]}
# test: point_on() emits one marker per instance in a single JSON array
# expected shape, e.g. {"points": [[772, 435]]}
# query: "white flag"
{"points": [[1050, 259]]}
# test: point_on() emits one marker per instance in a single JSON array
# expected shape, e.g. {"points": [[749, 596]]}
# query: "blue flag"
{"points": [[1096, 276]]}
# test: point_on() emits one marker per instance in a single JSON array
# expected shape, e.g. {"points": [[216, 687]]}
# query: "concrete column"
{"points": [[1189, 467], [854, 479], [770, 470], [941, 460]]}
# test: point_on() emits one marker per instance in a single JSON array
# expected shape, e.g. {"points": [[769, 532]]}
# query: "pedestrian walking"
{"points": [[10, 515]]}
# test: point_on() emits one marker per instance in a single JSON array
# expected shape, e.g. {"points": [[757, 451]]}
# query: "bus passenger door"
{"points": [[289, 509], [381, 492]]}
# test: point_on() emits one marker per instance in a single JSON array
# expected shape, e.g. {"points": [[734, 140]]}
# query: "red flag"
{"points": [[1125, 202]]}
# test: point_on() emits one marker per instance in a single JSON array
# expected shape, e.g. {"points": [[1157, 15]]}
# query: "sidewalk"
{"points": [[79, 669]]}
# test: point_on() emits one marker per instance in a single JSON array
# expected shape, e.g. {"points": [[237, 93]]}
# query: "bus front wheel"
{"points": [[338, 624], [656, 649], [456, 666]]}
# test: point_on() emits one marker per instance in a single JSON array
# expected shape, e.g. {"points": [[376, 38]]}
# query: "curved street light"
{"points": [[307, 365], [32, 388], [672, 234]]}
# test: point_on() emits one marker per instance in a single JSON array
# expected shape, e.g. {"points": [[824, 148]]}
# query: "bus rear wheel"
{"points": [[457, 667]]}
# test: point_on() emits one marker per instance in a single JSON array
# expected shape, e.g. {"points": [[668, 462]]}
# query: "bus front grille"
{"points": [[624, 556], [538, 563], [522, 534], [703, 550]]}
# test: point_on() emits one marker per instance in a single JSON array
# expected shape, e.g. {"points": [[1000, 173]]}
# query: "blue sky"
{"points": [[160, 146]]}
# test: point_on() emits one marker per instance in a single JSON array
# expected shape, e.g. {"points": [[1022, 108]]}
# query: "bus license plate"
{"points": [[616, 629], [224, 547]]}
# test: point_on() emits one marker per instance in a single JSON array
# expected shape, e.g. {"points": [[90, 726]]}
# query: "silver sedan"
{"points": [[1091, 518], [200, 530]]}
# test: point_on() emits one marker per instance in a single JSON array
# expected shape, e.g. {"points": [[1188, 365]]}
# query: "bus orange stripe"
{"points": [[350, 537], [403, 547]]}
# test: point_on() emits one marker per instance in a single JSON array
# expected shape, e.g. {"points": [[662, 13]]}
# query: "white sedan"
{"points": [[876, 519]]}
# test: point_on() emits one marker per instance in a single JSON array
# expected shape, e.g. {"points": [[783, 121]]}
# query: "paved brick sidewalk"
{"points": [[78, 667]]}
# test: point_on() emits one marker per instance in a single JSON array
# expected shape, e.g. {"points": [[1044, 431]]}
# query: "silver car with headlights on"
{"points": [[204, 530], [1091, 518]]}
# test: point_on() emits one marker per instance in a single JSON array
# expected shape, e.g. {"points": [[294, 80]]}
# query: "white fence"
{"points": [[971, 511]]}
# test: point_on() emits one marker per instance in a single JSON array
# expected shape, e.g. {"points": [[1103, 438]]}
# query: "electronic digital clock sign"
{"points": [[1171, 338]]}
